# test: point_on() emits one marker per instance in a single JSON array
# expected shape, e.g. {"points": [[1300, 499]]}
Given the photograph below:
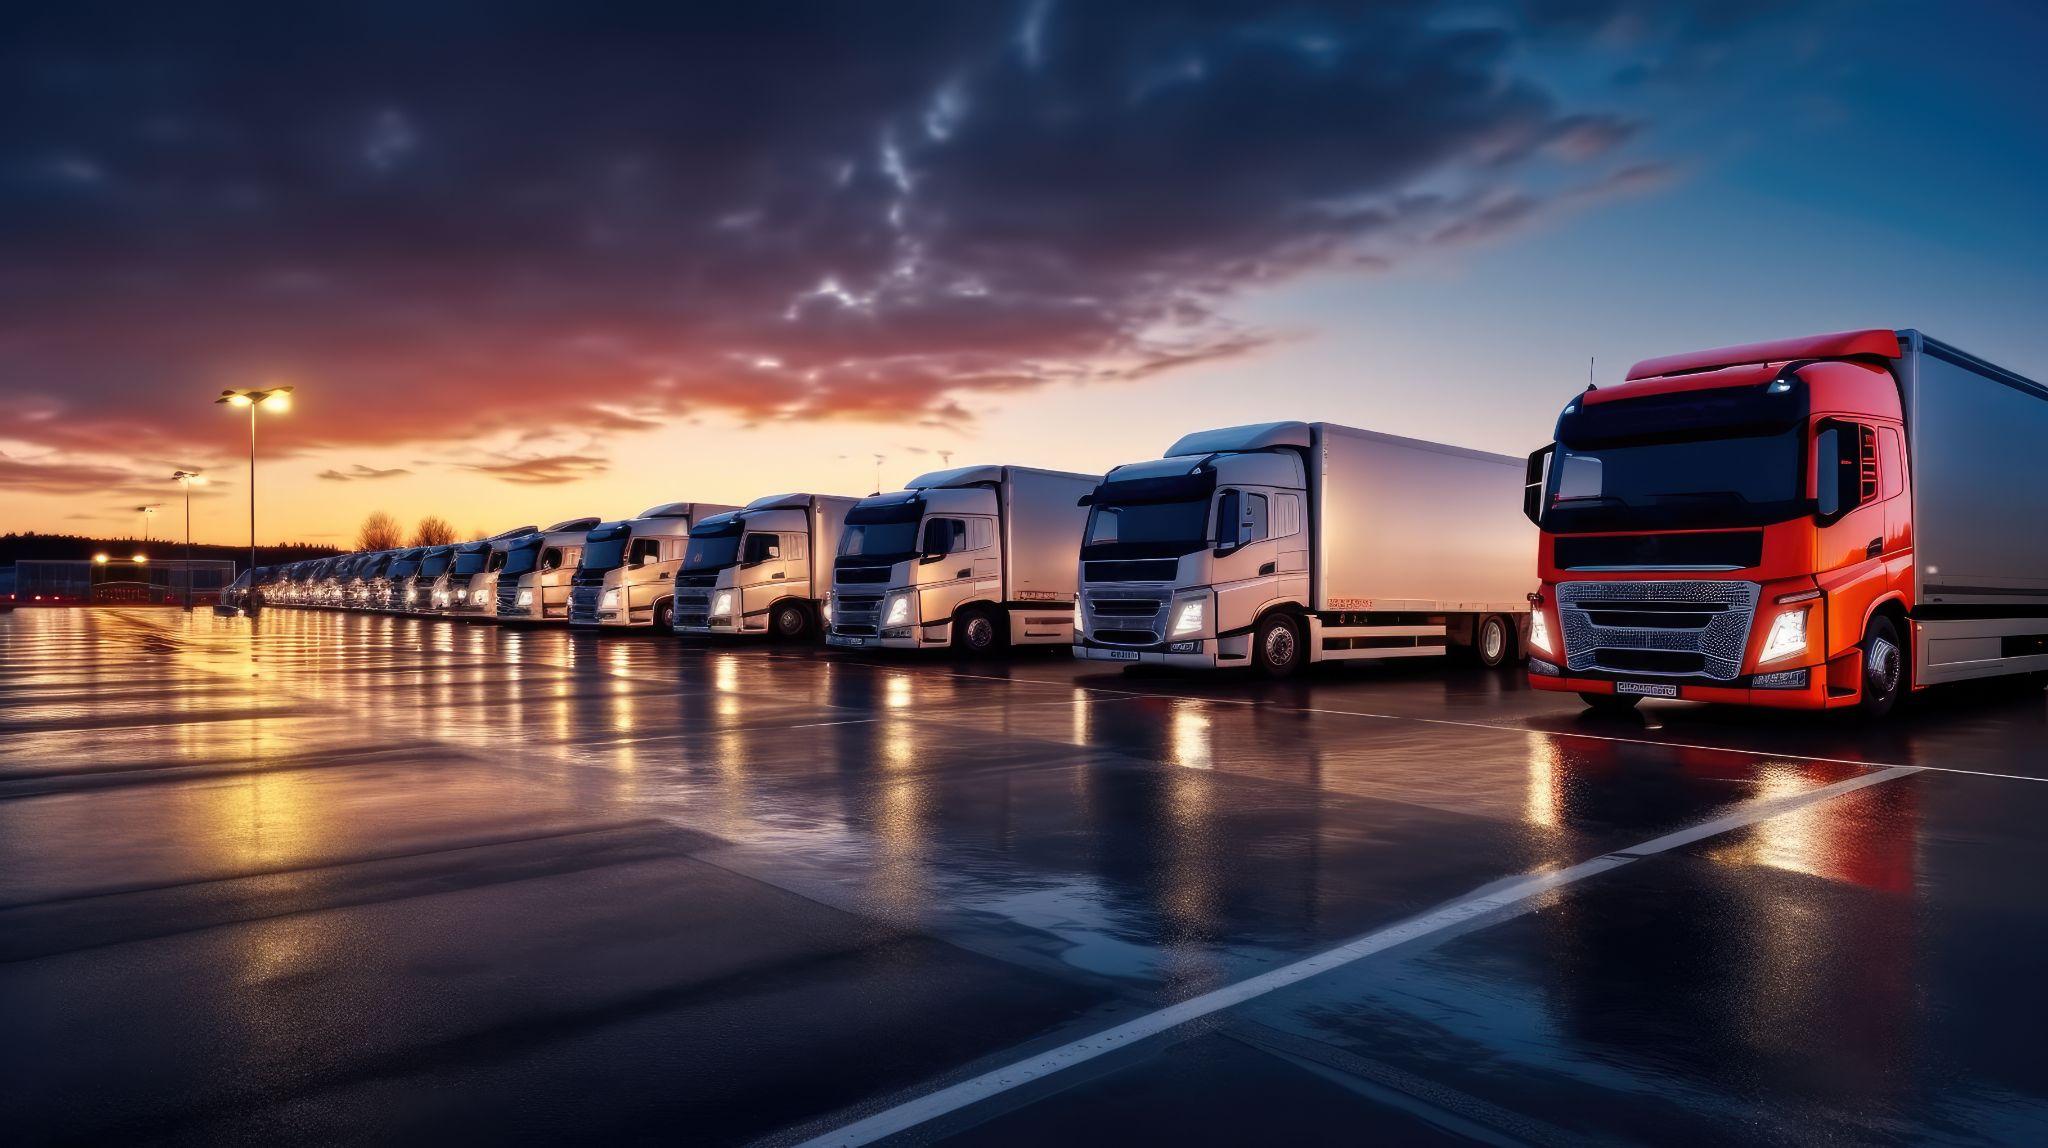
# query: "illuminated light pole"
{"points": [[147, 513], [273, 398], [186, 478]]}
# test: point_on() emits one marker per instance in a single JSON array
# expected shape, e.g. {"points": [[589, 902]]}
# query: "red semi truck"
{"points": [[1811, 524]]}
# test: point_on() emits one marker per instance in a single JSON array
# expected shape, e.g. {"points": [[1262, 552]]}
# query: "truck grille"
{"points": [[856, 614], [508, 595], [862, 575], [693, 600], [583, 603], [1693, 629], [1124, 617]]}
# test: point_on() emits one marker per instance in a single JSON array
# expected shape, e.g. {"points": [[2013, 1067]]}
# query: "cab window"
{"points": [[980, 533], [551, 558], [1891, 462], [945, 535], [761, 548], [643, 551]]}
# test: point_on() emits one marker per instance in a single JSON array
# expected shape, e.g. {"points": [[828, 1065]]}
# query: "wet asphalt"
{"points": [[337, 878]]}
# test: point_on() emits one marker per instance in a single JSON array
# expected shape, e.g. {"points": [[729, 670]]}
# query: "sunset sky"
{"points": [[523, 263]]}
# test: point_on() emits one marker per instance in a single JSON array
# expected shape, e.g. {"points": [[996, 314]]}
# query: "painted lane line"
{"points": [[941, 1102]]}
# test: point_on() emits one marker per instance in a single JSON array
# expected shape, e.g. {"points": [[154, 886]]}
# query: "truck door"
{"points": [[643, 561], [761, 574], [1246, 556]]}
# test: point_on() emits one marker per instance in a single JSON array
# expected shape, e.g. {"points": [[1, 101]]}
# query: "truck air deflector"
{"points": [[1258, 436], [1880, 343]]}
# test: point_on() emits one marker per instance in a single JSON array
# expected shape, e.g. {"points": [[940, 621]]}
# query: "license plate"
{"points": [[1123, 655], [1647, 689], [853, 641]]}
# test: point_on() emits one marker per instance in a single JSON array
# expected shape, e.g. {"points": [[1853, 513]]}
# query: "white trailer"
{"points": [[1275, 545], [763, 569], [977, 558]]}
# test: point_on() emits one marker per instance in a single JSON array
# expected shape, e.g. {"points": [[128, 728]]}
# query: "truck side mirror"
{"points": [[1533, 481], [1837, 480]]}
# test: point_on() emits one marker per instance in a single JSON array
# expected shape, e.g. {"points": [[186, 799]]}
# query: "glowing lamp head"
{"points": [[100, 558], [141, 558]]}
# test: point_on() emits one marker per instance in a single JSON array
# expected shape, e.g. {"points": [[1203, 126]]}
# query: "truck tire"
{"points": [[1611, 703], [978, 632], [1493, 641], [665, 614], [1884, 668], [789, 621], [1278, 650]]}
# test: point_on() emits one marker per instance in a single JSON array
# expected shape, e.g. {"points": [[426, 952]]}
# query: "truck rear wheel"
{"points": [[1277, 650], [789, 620], [1884, 668], [1494, 642], [977, 632]]}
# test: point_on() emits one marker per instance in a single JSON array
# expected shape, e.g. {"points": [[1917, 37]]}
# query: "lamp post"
{"points": [[186, 478], [147, 513], [276, 399]]}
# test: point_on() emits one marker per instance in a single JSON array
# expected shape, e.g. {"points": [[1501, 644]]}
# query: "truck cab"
{"points": [[626, 576], [367, 587], [419, 591], [975, 558], [396, 583], [762, 569], [1814, 523], [470, 588], [533, 584]]}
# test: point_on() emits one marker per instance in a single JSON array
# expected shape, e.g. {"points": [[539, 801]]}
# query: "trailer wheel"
{"points": [[977, 632], [789, 620], [1494, 643], [1884, 668], [1277, 650], [1611, 703]]}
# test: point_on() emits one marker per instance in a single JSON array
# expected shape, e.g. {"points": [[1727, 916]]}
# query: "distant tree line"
{"points": [[31, 546], [380, 531]]}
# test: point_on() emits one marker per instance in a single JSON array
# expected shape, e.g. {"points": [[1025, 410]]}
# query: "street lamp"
{"points": [[187, 479], [273, 398], [147, 513]]}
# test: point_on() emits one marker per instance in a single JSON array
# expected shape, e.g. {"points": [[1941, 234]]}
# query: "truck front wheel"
{"points": [[665, 614], [1884, 668], [789, 620], [1277, 650], [977, 632]]}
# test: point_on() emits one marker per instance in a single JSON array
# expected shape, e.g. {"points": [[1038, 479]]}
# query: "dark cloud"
{"points": [[361, 472], [453, 220], [541, 470]]}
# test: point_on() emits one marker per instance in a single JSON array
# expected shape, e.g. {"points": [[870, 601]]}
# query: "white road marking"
{"points": [[932, 1105]]}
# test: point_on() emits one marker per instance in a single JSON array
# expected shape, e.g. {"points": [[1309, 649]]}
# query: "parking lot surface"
{"points": [[341, 878]]}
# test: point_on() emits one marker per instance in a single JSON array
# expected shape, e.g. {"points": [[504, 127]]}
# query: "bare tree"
{"points": [[433, 530], [379, 531]]}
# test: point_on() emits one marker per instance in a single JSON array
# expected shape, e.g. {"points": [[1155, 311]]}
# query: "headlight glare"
{"points": [[1787, 636], [721, 606], [1187, 618], [899, 611], [610, 601], [525, 598]]}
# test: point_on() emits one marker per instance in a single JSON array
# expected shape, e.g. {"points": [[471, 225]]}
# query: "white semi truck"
{"points": [[977, 558], [1275, 545], [533, 585], [470, 588], [763, 569], [626, 577]]}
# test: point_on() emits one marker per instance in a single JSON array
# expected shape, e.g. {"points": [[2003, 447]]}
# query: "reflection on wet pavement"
{"points": [[365, 878]]}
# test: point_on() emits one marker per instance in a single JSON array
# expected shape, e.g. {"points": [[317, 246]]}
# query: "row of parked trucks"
{"points": [[1816, 523]]}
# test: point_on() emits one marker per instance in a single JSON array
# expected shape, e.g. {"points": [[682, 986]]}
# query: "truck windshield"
{"points": [[606, 552], [712, 549], [522, 559], [1746, 481], [879, 540], [434, 565], [470, 562], [1161, 516]]}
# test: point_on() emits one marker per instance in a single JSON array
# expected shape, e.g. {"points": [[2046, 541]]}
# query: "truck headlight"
{"points": [[1539, 631], [721, 606], [1187, 618], [412, 594], [525, 598], [1787, 636], [477, 596], [610, 600], [899, 611], [825, 609]]}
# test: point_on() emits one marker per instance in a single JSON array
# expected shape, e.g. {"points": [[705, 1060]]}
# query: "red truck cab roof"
{"points": [[1877, 342]]}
